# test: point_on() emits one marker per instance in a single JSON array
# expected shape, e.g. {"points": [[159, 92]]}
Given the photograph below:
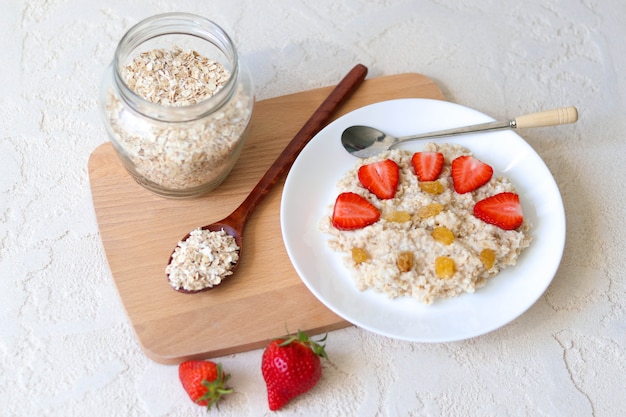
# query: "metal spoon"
{"points": [[364, 141], [235, 223]]}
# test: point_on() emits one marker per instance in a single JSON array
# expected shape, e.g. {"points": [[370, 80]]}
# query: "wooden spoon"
{"points": [[234, 224]]}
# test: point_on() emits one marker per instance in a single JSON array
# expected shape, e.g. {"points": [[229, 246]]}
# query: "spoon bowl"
{"points": [[365, 141], [232, 228], [235, 223]]}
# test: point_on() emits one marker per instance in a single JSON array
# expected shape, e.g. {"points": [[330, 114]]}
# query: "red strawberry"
{"points": [[204, 381], [381, 178], [469, 173], [503, 210], [427, 165], [291, 367], [353, 212]]}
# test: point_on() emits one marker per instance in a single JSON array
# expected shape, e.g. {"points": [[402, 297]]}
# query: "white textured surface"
{"points": [[66, 348]]}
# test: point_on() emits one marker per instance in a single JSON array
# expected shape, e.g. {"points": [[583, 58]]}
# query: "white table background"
{"points": [[66, 347]]}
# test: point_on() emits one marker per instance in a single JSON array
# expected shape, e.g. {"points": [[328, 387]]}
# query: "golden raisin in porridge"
{"points": [[433, 239]]}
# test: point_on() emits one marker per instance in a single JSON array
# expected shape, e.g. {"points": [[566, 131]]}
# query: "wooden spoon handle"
{"points": [[316, 122], [553, 117]]}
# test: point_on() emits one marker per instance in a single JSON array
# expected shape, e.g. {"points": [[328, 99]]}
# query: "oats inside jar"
{"points": [[174, 77], [181, 155]]}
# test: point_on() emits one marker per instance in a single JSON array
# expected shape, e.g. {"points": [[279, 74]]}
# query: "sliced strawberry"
{"points": [[469, 173], [503, 210], [353, 212], [427, 165], [381, 178]]}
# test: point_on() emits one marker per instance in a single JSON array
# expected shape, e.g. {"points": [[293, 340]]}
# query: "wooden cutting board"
{"points": [[266, 297]]}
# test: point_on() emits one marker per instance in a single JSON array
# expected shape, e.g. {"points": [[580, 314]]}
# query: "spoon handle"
{"points": [[562, 115], [316, 122], [553, 117]]}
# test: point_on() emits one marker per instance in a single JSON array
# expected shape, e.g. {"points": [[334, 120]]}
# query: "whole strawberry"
{"points": [[291, 366], [204, 381]]}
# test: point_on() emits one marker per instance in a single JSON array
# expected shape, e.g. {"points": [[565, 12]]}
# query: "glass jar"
{"points": [[177, 104]]}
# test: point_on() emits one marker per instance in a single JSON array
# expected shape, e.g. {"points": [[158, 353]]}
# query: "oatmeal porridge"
{"points": [[431, 239]]}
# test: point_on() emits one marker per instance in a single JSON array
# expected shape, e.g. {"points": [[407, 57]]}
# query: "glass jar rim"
{"points": [[176, 23]]}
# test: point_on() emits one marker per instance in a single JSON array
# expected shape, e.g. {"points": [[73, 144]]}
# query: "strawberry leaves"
{"points": [[204, 382]]}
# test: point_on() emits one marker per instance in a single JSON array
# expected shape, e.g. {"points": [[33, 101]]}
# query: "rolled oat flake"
{"points": [[203, 260]]}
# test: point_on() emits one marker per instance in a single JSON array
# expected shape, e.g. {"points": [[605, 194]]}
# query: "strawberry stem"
{"points": [[216, 388], [315, 345]]}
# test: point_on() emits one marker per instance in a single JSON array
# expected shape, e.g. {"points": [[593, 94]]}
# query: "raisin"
{"points": [[444, 267], [429, 210], [405, 261], [443, 235], [359, 255], [432, 187], [398, 216], [488, 258]]}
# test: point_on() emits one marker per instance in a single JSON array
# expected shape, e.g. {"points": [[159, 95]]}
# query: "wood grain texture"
{"points": [[139, 231]]}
